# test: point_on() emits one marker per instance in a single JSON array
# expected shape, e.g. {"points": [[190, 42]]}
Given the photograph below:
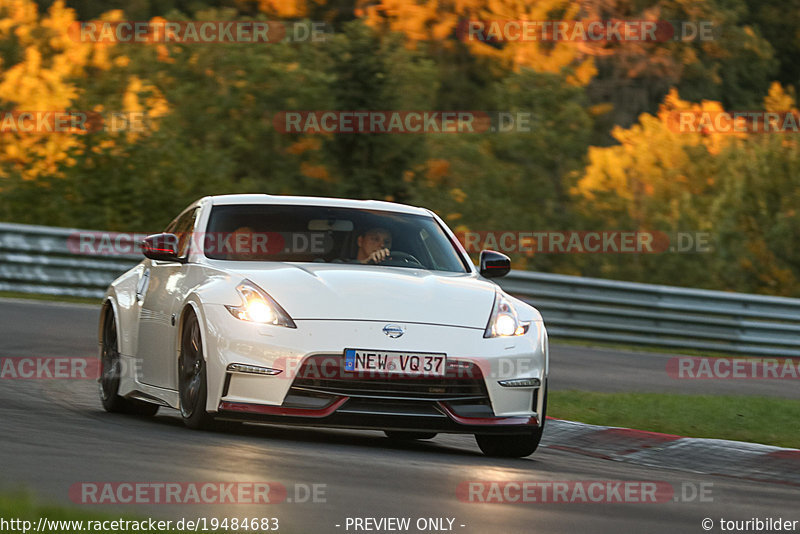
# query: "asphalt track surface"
{"points": [[55, 434]]}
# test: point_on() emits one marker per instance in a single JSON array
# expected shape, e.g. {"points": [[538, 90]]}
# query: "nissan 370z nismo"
{"points": [[325, 312]]}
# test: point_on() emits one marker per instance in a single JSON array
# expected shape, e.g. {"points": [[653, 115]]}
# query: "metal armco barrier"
{"points": [[44, 260], [624, 312]]}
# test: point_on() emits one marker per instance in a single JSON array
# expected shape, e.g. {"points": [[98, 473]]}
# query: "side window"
{"points": [[182, 227]]}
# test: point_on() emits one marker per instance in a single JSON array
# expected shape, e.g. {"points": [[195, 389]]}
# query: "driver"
{"points": [[374, 245]]}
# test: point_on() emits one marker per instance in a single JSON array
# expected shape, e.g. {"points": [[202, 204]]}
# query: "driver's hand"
{"points": [[378, 256]]}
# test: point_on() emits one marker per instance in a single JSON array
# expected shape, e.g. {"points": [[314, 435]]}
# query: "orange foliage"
{"points": [[287, 8], [315, 171], [437, 169], [651, 154], [432, 20], [53, 59]]}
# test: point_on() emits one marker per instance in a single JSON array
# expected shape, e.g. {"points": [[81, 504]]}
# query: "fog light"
{"points": [[252, 369], [521, 383]]}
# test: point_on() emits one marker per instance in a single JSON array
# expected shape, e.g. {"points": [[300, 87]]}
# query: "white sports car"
{"points": [[325, 312]]}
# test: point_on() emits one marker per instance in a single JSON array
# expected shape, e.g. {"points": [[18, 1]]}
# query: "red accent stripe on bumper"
{"points": [[245, 407], [488, 420]]}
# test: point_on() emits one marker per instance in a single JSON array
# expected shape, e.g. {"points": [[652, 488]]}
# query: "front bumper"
{"points": [[470, 402], [351, 413]]}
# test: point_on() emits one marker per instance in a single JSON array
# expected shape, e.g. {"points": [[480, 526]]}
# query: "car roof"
{"points": [[226, 200]]}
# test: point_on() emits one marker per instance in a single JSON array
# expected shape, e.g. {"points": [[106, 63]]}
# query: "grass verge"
{"points": [[754, 419]]}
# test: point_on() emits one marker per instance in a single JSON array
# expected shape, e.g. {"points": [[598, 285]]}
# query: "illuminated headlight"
{"points": [[521, 383], [503, 322], [258, 307], [252, 369]]}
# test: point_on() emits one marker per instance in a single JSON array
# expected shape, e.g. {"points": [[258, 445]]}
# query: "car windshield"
{"points": [[329, 235]]}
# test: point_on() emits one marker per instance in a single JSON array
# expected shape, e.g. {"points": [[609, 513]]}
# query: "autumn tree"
{"points": [[444, 24], [41, 66], [740, 188]]}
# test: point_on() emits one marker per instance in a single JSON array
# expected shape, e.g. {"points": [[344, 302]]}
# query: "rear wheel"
{"points": [[192, 387], [404, 435], [514, 446], [111, 371]]}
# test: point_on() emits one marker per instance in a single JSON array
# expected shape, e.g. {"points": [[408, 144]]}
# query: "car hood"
{"points": [[397, 294]]}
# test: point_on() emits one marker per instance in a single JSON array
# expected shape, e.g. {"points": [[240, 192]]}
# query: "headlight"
{"points": [[504, 321], [258, 307]]}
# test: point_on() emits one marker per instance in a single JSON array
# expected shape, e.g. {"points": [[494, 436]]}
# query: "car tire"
{"points": [[192, 378], [405, 435], [513, 446], [110, 371]]}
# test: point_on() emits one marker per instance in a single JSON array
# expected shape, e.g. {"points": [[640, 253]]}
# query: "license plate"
{"points": [[405, 363]]}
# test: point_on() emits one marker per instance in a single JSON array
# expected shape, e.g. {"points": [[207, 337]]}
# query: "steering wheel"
{"points": [[402, 258]]}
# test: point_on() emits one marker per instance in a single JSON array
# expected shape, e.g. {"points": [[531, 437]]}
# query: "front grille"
{"points": [[326, 374]]}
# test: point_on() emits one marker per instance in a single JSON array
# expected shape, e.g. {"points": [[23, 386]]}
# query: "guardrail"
{"points": [[626, 312], [44, 260]]}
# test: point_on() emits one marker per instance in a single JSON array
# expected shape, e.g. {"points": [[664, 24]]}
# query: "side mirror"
{"points": [[493, 264], [161, 247]]}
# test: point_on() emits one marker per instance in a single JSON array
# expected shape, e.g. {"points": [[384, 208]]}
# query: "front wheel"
{"points": [[513, 446], [192, 387], [516, 446]]}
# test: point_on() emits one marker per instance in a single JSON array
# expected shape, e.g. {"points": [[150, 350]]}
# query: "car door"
{"points": [[160, 295]]}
